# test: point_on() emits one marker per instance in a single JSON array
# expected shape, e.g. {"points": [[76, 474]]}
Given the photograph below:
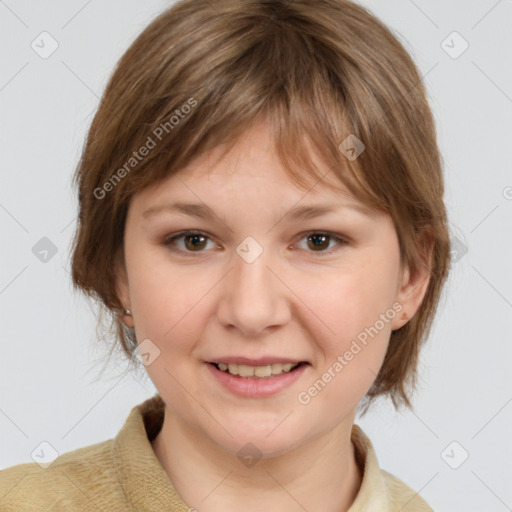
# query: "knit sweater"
{"points": [[124, 474]]}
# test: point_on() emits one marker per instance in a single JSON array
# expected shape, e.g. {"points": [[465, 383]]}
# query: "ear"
{"points": [[122, 286], [413, 286]]}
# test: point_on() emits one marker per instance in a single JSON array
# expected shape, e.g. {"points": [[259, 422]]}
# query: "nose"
{"points": [[254, 297]]}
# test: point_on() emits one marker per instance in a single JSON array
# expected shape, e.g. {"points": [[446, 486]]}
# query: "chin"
{"points": [[265, 442]]}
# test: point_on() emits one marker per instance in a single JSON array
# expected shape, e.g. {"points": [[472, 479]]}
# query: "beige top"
{"points": [[124, 474]]}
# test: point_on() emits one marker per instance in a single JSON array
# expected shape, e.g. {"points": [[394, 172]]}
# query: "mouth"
{"points": [[259, 372]]}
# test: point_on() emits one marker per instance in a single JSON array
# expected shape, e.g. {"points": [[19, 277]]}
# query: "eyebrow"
{"points": [[298, 213]]}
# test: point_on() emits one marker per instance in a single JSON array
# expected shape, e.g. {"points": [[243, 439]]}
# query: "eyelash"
{"points": [[170, 241]]}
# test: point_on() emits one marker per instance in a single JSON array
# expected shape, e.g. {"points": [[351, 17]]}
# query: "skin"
{"points": [[291, 301]]}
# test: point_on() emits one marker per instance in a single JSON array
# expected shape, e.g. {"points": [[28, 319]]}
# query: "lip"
{"points": [[261, 361], [254, 387]]}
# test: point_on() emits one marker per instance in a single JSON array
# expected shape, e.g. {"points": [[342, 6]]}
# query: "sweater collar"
{"points": [[147, 487], [145, 483], [373, 493]]}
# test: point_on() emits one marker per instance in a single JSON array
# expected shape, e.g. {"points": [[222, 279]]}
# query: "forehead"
{"points": [[209, 194], [248, 171], [260, 183], [253, 159]]}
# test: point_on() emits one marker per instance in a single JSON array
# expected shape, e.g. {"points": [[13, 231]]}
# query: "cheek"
{"points": [[355, 310], [167, 302], [355, 344]]}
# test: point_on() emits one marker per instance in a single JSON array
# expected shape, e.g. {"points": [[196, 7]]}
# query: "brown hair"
{"points": [[202, 73]]}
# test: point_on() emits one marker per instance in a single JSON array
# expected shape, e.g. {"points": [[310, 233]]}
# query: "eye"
{"points": [[196, 241], [319, 240]]}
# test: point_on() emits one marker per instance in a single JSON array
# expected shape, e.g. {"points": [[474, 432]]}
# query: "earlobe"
{"points": [[128, 319]]}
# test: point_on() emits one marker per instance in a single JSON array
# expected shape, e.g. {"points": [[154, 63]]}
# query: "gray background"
{"points": [[50, 390]]}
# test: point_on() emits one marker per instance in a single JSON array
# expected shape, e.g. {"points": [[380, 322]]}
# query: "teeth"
{"points": [[244, 370]]}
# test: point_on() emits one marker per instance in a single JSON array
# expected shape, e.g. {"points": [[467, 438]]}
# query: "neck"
{"points": [[320, 474]]}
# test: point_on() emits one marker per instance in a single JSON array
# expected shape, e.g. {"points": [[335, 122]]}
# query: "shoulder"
{"points": [[85, 477], [403, 497], [381, 490]]}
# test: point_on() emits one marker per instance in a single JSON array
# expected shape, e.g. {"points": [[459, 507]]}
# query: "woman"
{"points": [[261, 209]]}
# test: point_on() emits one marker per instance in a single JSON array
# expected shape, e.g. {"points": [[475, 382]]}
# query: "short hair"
{"points": [[320, 74]]}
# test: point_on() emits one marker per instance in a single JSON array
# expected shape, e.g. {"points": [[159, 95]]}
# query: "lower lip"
{"points": [[256, 387]]}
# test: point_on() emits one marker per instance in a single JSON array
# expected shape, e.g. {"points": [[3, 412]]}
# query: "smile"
{"points": [[262, 372], [261, 381]]}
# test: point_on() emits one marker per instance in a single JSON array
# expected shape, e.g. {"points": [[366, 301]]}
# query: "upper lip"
{"points": [[261, 361]]}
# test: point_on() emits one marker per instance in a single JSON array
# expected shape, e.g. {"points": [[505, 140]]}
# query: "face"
{"points": [[241, 279]]}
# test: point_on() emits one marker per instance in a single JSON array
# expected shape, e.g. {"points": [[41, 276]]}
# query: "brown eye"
{"points": [[194, 242], [318, 241]]}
